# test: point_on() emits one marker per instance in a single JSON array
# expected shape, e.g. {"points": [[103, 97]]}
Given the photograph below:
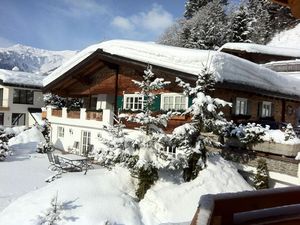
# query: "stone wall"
{"points": [[278, 164]]}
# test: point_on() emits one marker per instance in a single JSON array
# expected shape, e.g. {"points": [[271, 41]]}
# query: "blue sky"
{"points": [[75, 24]]}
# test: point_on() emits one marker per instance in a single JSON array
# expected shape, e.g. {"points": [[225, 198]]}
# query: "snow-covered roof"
{"points": [[227, 67], [19, 78], [287, 38], [263, 49]]}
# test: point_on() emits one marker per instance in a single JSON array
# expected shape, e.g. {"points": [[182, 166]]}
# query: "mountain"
{"points": [[33, 60], [287, 39]]}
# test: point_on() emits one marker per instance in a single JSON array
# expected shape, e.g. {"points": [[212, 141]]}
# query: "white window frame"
{"points": [[127, 96], [85, 140], [266, 112], [60, 132], [174, 95], [238, 106]]}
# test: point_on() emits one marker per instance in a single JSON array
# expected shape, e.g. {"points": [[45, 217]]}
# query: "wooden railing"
{"points": [[94, 115], [73, 114], [273, 206], [57, 112]]}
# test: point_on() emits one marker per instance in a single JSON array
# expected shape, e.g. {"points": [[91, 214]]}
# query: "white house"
{"points": [[21, 98]]}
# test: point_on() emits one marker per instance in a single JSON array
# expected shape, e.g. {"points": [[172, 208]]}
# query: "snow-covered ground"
{"points": [[102, 195], [25, 170]]}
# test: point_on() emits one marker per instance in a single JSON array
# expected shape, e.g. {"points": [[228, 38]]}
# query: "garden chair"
{"points": [[51, 161]]}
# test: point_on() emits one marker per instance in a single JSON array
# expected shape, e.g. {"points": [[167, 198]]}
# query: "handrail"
{"points": [[221, 209]]}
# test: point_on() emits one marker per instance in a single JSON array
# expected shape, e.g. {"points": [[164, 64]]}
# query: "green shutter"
{"points": [[190, 101], [120, 102], [156, 103]]}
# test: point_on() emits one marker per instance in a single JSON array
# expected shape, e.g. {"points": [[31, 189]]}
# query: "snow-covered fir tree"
{"points": [[261, 179], [239, 28], [289, 132], [260, 18], [206, 117], [193, 6], [53, 214], [207, 28]]}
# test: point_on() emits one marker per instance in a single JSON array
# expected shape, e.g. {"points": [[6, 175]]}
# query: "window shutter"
{"points": [[232, 109], [156, 103], [259, 110], [120, 102], [272, 110], [249, 104], [190, 101]]}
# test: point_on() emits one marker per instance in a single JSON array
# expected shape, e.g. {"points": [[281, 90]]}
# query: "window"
{"points": [[85, 141], [60, 132], [266, 109], [22, 96], [174, 101], [241, 106], [18, 119], [133, 101]]}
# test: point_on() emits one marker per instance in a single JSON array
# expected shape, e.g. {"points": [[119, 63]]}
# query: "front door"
{"points": [[85, 141]]}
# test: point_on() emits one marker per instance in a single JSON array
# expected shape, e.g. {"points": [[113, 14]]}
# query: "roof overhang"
{"points": [[294, 5], [114, 61]]}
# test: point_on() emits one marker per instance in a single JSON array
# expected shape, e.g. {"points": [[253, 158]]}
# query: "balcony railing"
{"points": [[94, 115], [75, 114], [57, 112], [81, 116]]}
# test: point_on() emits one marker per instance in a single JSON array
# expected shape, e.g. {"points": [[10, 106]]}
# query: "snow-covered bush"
{"points": [[206, 117], [249, 134], [4, 148], [261, 179], [289, 132], [53, 215], [44, 147], [59, 102]]}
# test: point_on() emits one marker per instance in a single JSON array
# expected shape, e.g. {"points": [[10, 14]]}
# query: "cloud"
{"points": [[80, 8], [4, 43], [156, 20], [122, 23]]}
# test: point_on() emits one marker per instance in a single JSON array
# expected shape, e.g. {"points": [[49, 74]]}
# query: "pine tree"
{"points": [[146, 168], [193, 6], [207, 28], [239, 29], [289, 132], [205, 117], [261, 179]]}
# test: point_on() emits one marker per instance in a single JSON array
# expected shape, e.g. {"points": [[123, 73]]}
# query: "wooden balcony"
{"points": [[3, 108], [80, 117], [94, 115], [73, 114], [57, 112], [269, 207]]}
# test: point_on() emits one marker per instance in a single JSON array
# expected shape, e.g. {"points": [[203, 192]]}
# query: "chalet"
{"points": [[21, 98], [102, 75]]}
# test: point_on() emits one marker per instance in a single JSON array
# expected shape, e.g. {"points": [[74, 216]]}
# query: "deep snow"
{"points": [[102, 195]]}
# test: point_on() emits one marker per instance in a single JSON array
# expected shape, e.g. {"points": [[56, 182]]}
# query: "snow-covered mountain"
{"points": [[287, 39], [34, 60]]}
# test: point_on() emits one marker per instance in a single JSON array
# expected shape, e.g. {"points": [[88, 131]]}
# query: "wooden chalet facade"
{"points": [[104, 80]]}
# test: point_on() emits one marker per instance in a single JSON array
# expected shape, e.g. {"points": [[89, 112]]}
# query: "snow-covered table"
{"points": [[76, 161]]}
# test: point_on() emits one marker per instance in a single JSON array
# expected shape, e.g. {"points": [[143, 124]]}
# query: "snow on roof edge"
{"points": [[227, 67], [21, 79], [263, 49]]}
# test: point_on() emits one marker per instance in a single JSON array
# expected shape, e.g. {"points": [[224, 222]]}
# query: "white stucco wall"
{"points": [[19, 108]]}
